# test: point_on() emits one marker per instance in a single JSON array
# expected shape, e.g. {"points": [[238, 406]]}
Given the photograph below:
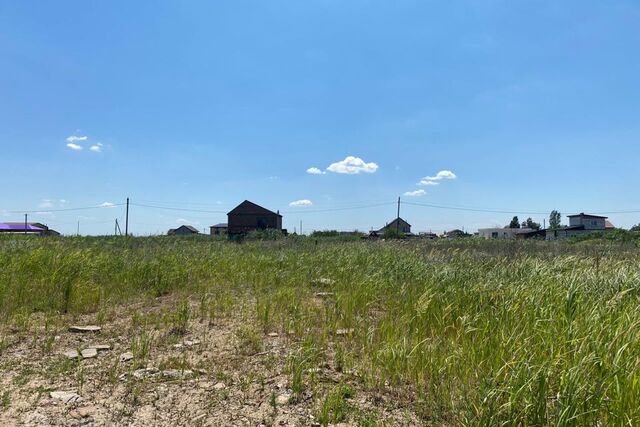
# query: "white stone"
{"points": [[219, 386], [145, 372], [324, 294], [101, 347], [71, 354], [89, 353], [176, 373], [125, 357], [66, 396]]}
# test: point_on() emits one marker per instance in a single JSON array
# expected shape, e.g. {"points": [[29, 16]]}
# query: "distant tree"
{"points": [[515, 223], [391, 233], [554, 219], [635, 228], [529, 223]]}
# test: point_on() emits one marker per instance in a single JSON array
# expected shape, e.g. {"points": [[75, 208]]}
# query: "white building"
{"points": [[502, 233], [580, 224]]}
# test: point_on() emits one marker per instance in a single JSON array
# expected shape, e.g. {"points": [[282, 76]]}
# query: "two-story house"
{"points": [[580, 224]]}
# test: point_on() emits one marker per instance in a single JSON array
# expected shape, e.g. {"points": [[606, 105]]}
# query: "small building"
{"points": [[589, 222], [183, 230], [428, 235], [580, 224], [397, 225], [454, 234], [218, 229], [504, 233], [30, 228], [248, 216]]}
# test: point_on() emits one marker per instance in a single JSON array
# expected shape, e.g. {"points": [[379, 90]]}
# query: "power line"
{"points": [[511, 211], [338, 209], [458, 208], [174, 208], [39, 211]]}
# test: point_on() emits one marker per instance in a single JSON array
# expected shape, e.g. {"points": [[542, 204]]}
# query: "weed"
{"points": [[5, 399], [249, 341], [141, 347], [335, 407]]}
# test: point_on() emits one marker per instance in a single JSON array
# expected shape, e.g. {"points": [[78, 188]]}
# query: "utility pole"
{"points": [[78, 230], [544, 222], [398, 218], [126, 223], [25, 224], [301, 227]]}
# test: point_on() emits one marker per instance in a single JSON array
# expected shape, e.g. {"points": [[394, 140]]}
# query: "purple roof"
{"points": [[16, 226]]}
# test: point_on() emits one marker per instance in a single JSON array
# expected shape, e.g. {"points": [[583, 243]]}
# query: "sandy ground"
{"points": [[205, 376]]}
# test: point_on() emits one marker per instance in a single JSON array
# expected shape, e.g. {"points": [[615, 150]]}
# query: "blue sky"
{"points": [[532, 105]]}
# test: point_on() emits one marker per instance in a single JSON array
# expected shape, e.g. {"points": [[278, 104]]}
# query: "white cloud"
{"points": [[352, 165], [301, 203], [96, 147], [432, 180], [74, 146], [74, 138], [187, 222], [107, 205], [45, 203], [417, 193], [315, 171]]}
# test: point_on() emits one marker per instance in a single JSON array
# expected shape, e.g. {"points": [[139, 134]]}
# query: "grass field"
{"points": [[368, 333]]}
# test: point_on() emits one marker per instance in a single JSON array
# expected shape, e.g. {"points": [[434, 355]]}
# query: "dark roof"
{"points": [[248, 207], [19, 226], [586, 215], [392, 223], [575, 227], [188, 227], [221, 225]]}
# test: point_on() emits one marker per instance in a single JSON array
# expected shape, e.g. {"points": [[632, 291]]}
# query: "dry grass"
{"points": [[462, 333]]}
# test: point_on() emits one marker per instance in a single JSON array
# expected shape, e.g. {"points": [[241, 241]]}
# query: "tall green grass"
{"points": [[472, 333]]}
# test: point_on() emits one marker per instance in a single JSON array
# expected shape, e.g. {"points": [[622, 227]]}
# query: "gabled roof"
{"points": [[188, 227], [248, 207], [586, 215], [221, 225]]}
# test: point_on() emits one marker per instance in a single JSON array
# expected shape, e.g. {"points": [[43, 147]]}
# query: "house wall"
{"points": [[217, 231], [497, 233], [501, 233], [589, 223], [403, 228], [563, 234], [245, 222]]}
